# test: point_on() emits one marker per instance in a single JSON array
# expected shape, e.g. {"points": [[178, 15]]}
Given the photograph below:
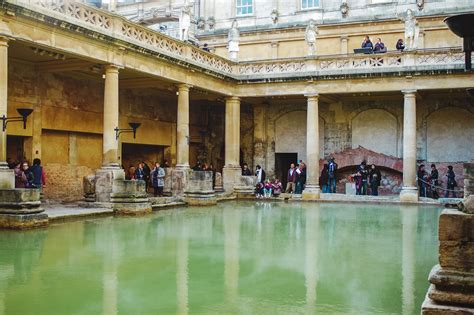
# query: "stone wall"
{"points": [[64, 181]]}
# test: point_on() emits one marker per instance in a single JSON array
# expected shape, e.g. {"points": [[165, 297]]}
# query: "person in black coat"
{"points": [[434, 176], [367, 43], [374, 179]]}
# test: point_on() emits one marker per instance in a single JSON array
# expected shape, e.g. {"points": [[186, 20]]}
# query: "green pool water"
{"points": [[234, 258]]}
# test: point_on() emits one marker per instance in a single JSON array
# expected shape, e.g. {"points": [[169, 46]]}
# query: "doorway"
{"points": [[15, 148], [282, 164]]}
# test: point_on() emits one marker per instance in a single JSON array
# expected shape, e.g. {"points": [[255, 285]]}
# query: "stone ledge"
{"points": [[430, 307], [23, 221]]}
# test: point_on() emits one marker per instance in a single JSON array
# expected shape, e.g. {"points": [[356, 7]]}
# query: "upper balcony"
{"points": [[95, 23]]}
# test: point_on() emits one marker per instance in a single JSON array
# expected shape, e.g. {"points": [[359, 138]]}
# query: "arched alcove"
{"points": [[450, 134], [290, 134], [376, 130]]}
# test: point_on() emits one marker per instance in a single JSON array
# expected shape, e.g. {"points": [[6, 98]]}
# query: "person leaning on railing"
{"points": [[367, 43], [379, 47]]}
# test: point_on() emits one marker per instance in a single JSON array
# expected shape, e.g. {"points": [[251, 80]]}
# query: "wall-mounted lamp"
{"points": [[133, 128], [463, 26], [24, 112]]}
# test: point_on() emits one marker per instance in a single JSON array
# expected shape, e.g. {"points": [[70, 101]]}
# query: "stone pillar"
{"points": [[183, 127], [110, 170], [274, 49], [7, 178], [232, 170], [259, 137], [344, 44], [180, 174], [312, 191], [409, 191], [111, 117]]}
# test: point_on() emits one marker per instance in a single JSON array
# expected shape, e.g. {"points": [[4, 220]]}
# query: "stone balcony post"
{"points": [[232, 169], [409, 191], [7, 178], [312, 190]]}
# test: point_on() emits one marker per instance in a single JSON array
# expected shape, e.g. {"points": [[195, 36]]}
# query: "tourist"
{"points": [[267, 189], [20, 176], [422, 180], [29, 175], [324, 179], [303, 174], [158, 180], [298, 180], [367, 43], [291, 179], [37, 174], [197, 167], [451, 182], [379, 46], [362, 175], [210, 168], [434, 182], [260, 173], [147, 172], [140, 172], [131, 173], [400, 45], [245, 170], [332, 174], [259, 190], [165, 164], [374, 179], [277, 188]]}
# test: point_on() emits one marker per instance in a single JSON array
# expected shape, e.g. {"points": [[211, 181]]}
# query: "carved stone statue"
{"points": [[184, 22], [274, 16], [412, 30], [233, 39], [420, 4], [344, 8], [310, 37]]}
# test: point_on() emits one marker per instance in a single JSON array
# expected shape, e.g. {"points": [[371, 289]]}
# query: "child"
{"points": [[277, 188], [259, 190], [267, 190]]}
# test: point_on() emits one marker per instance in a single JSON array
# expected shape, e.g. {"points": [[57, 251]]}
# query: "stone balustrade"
{"points": [[162, 46]]}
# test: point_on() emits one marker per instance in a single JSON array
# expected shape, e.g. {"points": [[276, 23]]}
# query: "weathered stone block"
{"points": [[88, 184], [219, 185], [409, 195], [455, 225], [179, 180], [199, 190], [129, 197], [7, 179], [451, 286], [456, 255], [20, 201], [104, 179], [231, 177]]}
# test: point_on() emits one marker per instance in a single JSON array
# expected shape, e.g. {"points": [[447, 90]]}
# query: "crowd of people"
{"points": [[429, 185], [154, 177], [27, 176], [379, 46]]}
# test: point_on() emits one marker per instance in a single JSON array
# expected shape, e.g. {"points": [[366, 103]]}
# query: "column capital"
{"points": [[232, 99], [183, 87], [409, 92], [112, 68], [4, 40], [344, 37], [312, 96]]}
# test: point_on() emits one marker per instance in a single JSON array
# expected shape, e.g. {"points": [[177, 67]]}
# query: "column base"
{"points": [[128, 197], [231, 177], [7, 178], [179, 180], [21, 209], [311, 193], [199, 190], [104, 179], [409, 194]]}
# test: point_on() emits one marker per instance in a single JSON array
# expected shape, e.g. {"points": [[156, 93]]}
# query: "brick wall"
{"points": [[64, 182]]}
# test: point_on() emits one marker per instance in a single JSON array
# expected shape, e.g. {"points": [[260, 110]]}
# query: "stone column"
{"points": [[180, 173], [312, 191], [111, 169], [7, 178], [111, 117], [259, 136], [409, 191], [182, 141], [232, 170]]}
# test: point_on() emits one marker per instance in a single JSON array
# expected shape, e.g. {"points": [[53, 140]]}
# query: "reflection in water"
{"points": [[409, 223], [232, 220], [235, 258], [311, 259], [109, 278], [182, 268]]}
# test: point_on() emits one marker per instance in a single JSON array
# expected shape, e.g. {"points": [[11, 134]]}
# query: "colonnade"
{"points": [[232, 133]]}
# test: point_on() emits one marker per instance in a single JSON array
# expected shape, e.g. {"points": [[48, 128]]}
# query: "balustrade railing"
{"points": [[118, 27]]}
